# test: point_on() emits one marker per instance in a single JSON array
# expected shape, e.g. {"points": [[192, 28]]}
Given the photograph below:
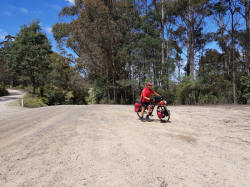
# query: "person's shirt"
{"points": [[146, 92]]}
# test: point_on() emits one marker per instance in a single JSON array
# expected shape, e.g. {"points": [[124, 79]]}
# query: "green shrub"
{"points": [[19, 87], [187, 91], [32, 101], [54, 95], [169, 95], [45, 100], [3, 91], [199, 92], [29, 89], [91, 99], [244, 90], [69, 97], [105, 100], [79, 97]]}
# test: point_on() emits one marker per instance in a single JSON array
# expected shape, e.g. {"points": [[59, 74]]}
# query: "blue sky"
{"points": [[15, 13]]}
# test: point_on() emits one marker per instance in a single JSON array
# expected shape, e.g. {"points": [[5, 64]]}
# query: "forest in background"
{"points": [[119, 45]]}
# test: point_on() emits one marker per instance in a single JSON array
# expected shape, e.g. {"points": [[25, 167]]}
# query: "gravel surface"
{"points": [[106, 145], [7, 100]]}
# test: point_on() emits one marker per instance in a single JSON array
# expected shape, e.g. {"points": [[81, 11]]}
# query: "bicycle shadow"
{"points": [[157, 120], [160, 121]]}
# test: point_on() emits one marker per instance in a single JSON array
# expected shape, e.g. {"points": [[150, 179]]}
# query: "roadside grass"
{"points": [[15, 103], [31, 101]]}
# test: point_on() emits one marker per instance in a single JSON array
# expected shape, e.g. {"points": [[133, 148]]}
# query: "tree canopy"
{"points": [[27, 55]]}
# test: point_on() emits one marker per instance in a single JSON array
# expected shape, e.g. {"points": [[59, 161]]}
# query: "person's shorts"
{"points": [[145, 104]]}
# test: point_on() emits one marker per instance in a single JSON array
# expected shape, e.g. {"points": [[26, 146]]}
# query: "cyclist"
{"points": [[145, 98]]}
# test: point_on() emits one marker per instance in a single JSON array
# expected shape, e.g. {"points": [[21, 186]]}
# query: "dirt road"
{"points": [[6, 100], [106, 145]]}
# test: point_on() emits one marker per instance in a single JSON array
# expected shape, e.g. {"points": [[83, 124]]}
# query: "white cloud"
{"points": [[24, 10], [2, 34], [71, 1], [48, 29], [7, 13]]}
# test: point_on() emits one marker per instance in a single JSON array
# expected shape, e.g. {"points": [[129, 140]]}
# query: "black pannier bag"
{"points": [[158, 99]]}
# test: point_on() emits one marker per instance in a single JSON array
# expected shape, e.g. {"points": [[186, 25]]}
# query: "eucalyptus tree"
{"points": [[192, 14], [227, 37], [100, 34], [221, 36], [164, 20], [28, 55], [245, 34], [7, 75], [233, 8]]}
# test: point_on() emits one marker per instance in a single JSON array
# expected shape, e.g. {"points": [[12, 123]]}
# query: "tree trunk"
{"points": [[114, 91], [107, 83], [162, 44], [154, 66], [188, 39], [192, 43], [113, 77], [248, 37], [41, 91], [33, 90], [232, 48], [167, 53], [133, 94], [192, 48], [145, 7]]}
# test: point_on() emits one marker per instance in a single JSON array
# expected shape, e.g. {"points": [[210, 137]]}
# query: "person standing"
{"points": [[145, 98]]}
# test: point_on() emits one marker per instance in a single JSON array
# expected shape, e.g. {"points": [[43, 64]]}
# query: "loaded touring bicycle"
{"points": [[162, 112]]}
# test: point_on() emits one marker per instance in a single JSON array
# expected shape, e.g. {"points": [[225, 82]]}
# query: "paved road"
{"points": [[106, 145]]}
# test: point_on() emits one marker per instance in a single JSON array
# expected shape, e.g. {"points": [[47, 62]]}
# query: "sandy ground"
{"points": [[106, 145]]}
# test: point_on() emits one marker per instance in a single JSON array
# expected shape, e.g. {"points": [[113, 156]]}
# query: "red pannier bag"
{"points": [[138, 106]]}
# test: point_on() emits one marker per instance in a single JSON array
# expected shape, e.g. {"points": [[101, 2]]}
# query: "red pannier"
{"points": [[138, 105]]}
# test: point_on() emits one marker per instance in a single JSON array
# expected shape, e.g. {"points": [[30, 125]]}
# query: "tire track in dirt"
{"points": [[22, 126], [51, 135]]}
